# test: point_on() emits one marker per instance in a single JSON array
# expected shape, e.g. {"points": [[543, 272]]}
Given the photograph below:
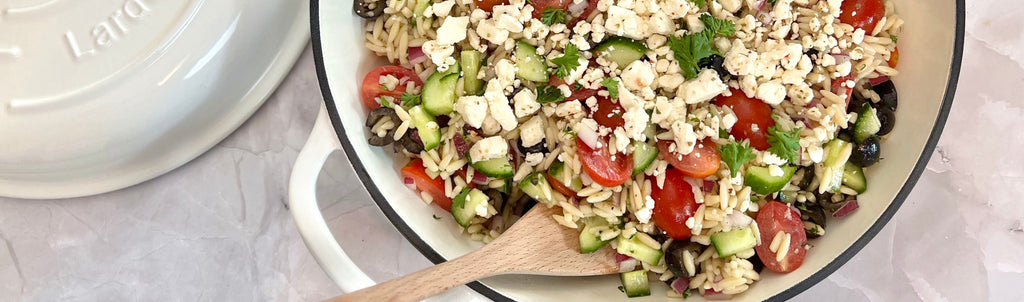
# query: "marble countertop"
{"points": [[218, 228]]}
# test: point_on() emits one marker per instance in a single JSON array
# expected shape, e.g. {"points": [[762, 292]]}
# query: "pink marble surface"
{"points": [[218, 228]]}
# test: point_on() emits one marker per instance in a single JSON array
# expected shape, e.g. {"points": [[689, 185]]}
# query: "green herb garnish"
{"points": [[784, 144], [553, 15], [409, 100], [568, 62], [549, 94], [613, 87], [735, 155]]}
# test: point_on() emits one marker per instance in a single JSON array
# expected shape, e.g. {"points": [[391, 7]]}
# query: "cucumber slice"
{"points": [[867, 123], [465, 204], [643, 155], [558, 171], [589, 242], [495, 167], [853, 177], [536, 186], [762, 182], [507, 187], [439, 93], [426, 125], [471, 85], [621, 50], [635, 283], [732, 242], [835, 160], [635, 248], [529, 65]]}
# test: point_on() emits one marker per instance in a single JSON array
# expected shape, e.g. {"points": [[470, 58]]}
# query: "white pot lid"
{"points": [[98, 95]]}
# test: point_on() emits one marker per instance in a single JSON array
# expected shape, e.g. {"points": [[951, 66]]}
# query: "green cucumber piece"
{"points": [[507, 187], [867, 123], [589, 242], [633, 247], [439, 93], [732, 242], [529, 65], [426, 125], [495, 167], [621, 50], [635, 283], [643, 155], [537, 187], [558, 171], [838, 153], [762, 182], [465, 204], [421, 6], [853, 177], [471, 85]]}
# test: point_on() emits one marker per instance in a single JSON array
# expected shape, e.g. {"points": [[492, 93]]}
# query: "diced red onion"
{"points": [[495, 223], [709, 185], [764, 13], [760, 5], [415, 53], [410, 183], [841, 58], [479, 178], [576, 9], [680, 285], [848, 208], [460, 144], [736, 220], [813, 103], [620, 257], [588, 135], [878, 80]]}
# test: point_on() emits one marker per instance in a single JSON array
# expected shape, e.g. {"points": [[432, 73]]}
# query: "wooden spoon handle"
{"points": [[426, 282]]}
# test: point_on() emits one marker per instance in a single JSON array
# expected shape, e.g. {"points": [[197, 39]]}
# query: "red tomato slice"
{"points": [[777, 217], [558, 186], [372, 89], [701, 163], [540, 5], [577, 94], [488, 5], [602, 167], [839, 89], [894, 58], [673, 204], [863, 14], [433, 186], [749, 112], [609, 114]]}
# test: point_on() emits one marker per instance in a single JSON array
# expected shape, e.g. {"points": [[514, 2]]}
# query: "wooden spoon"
{"points": [[535, 244]]}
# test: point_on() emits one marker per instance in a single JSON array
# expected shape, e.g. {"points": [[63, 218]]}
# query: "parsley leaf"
{"points": [[687, 293], [784, 143], [553, 15], [568, 62], [688, 50], [409, 100], [549, 94], [717, 27], [893, 38], [613, 87], [722, 133], [699, 3], [385, 101], [735, 155]]}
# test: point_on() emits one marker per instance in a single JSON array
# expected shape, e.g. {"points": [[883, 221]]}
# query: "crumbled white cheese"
{"points": [[481, 208], [488, 148], [643, 215], [532, 131], [473, 109], [440, 54], [453, 30], [685, 138], [772, 93], [706, 86], [525, 103], [490, 32], [505, 72], [638, 75], [623, 22], [534, 159], [566, 109], [498, 105], [443, 8]]}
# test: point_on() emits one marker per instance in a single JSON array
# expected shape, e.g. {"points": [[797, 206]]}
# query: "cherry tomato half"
{"points": [[749, 112], [894, 58], [604, 168], [863, 14], [540, 5], [559, 186], [777, 217], [372, 89], [433, 186], [673, 204], [703, 161], [488, 5], [609, 114]]}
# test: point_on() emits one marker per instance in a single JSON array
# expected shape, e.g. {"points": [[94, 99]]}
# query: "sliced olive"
{"points": [[856, 102], [381, 141], [378, 113], [756, 262], [674, 257], [887, 118], [540, 147], [813, 54], [866, 153], [369, 9], [887, 93], [411, 142], [495, 198], [813, 212], [806, 178], [832, 206], [715, 62]]}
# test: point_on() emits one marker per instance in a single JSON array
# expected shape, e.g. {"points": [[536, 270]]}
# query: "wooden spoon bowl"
{"points": [[535, 245]]}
